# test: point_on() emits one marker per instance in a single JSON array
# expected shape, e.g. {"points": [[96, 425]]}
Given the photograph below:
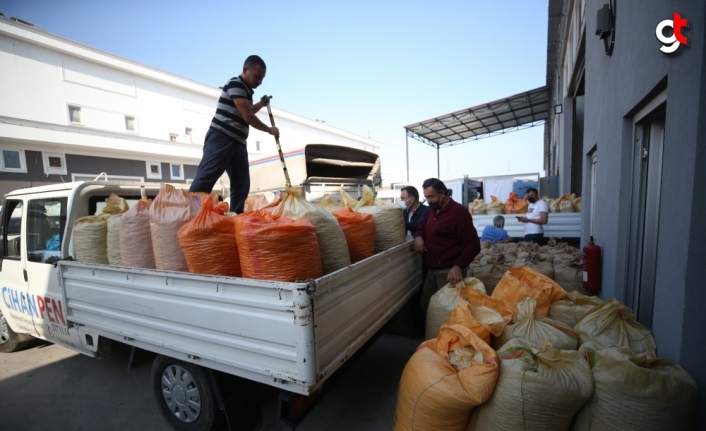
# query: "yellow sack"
{"points": [[444, 380], [90, 239], [478, 207], [445, 300], [636, 392], [480, 313], [523, 282]]}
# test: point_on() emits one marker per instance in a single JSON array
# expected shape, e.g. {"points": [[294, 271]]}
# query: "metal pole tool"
{"points": [[279, 149]]}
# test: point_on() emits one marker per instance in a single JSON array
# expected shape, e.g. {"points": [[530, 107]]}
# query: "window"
{"points": [[154, 170], [187, 133], [74, 114], [46, 220], [13, 161], [257, 145], [177, 172], [54, 163], [129, 123], [10, 230], [173, 137]]}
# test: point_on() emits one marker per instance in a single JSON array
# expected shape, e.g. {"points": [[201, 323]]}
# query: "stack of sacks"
{"points": [[636, 391], [527, 326], [490, 269], [333, 247], [520, 283], [569, 274], [135, 238], [389, 220], [495, 207], [255, 202], [171, 209], [329, 204], [445, 379], [570, 309], [445, 300], [478, 207], [536, 263], [612, 324], [359, 230], [565, 204], [480, 313], [539, 388], [116, 207], [92, 243], [278, 248], [210, 234], [515, 205]]}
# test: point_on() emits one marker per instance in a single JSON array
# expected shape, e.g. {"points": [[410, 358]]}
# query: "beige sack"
{"points": [[135, 238], [636, 392], [171, 209], [528, 326], [571, 308], [612, 324], [330, 205], [90, 238], [539, 388], [113, 239]]}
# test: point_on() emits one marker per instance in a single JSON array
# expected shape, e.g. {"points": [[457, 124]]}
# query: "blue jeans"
{"points": [[537, 238], [222, 153]]}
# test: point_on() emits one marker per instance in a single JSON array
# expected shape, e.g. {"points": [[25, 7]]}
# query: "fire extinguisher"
{"points": [[592, 266]]}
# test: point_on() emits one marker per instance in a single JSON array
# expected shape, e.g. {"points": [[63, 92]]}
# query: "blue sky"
{"points": [[367, 67]]}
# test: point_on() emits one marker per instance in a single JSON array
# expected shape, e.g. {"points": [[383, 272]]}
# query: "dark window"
{"points": [[46, 221]]}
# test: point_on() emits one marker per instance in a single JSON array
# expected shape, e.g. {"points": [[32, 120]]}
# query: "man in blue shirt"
{"points": [[496, 232]]}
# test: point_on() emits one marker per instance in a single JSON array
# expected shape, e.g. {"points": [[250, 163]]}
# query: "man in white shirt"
{"points": [[537, 215]]}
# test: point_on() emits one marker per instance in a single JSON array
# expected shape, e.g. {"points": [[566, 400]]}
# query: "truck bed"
{"points": [[288, 335]]}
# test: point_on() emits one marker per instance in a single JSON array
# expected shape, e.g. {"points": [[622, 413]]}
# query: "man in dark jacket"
{"points": [[446, 237], [414, 211]]}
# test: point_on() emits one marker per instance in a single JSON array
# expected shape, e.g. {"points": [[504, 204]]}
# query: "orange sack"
{"points": [[135, 239], [277, 248], [523, 282], [444, 380], [515, 205], [359, 230], [208, 241]]}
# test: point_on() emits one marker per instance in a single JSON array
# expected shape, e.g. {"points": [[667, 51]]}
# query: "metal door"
{"points": [[644, 223]]}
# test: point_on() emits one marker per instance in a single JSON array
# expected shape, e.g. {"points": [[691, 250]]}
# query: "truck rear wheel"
{"points": [[185, 395], [10, 341]]}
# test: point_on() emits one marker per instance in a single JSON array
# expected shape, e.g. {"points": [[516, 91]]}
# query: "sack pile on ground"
{"points": [[543, 381], [558, 261]]}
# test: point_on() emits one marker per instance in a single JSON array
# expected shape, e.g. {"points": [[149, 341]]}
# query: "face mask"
{"points": [[403, 204], [532, 200], [435, 206]]}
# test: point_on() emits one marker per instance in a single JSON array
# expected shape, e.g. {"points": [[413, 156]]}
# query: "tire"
{"points": [[10, 341], [185, 395]]}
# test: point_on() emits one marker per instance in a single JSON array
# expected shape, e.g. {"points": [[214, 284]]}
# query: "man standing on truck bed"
{"points": [[447, 238], [225, 147]]}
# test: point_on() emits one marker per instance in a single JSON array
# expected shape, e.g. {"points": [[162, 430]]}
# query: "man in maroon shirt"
{"points": [[446, 237]]}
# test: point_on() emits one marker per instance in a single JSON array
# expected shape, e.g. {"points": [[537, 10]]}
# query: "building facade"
{"points": [[71, 112], [628, 134]]}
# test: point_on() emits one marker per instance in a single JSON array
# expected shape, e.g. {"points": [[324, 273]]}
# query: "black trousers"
{"points": [[222, 153]]}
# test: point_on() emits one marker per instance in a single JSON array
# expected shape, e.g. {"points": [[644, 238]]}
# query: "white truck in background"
{"points": [[205, 330]]}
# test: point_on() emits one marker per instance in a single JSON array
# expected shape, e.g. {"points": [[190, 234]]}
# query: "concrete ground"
{"points": [[49, 387]]}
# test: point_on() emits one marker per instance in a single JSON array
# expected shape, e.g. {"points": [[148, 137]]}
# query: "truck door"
{"points": [[16, 308], [46, 226]]}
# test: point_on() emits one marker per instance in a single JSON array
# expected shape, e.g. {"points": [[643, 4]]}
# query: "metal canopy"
{"points": [[505, 115]]}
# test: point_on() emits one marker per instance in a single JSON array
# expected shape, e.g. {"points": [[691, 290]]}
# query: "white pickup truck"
{"points": [[204, 329]]}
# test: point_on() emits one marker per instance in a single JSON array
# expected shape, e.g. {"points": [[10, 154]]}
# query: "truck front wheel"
{"points": [[10, 341], [185, 395]]}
